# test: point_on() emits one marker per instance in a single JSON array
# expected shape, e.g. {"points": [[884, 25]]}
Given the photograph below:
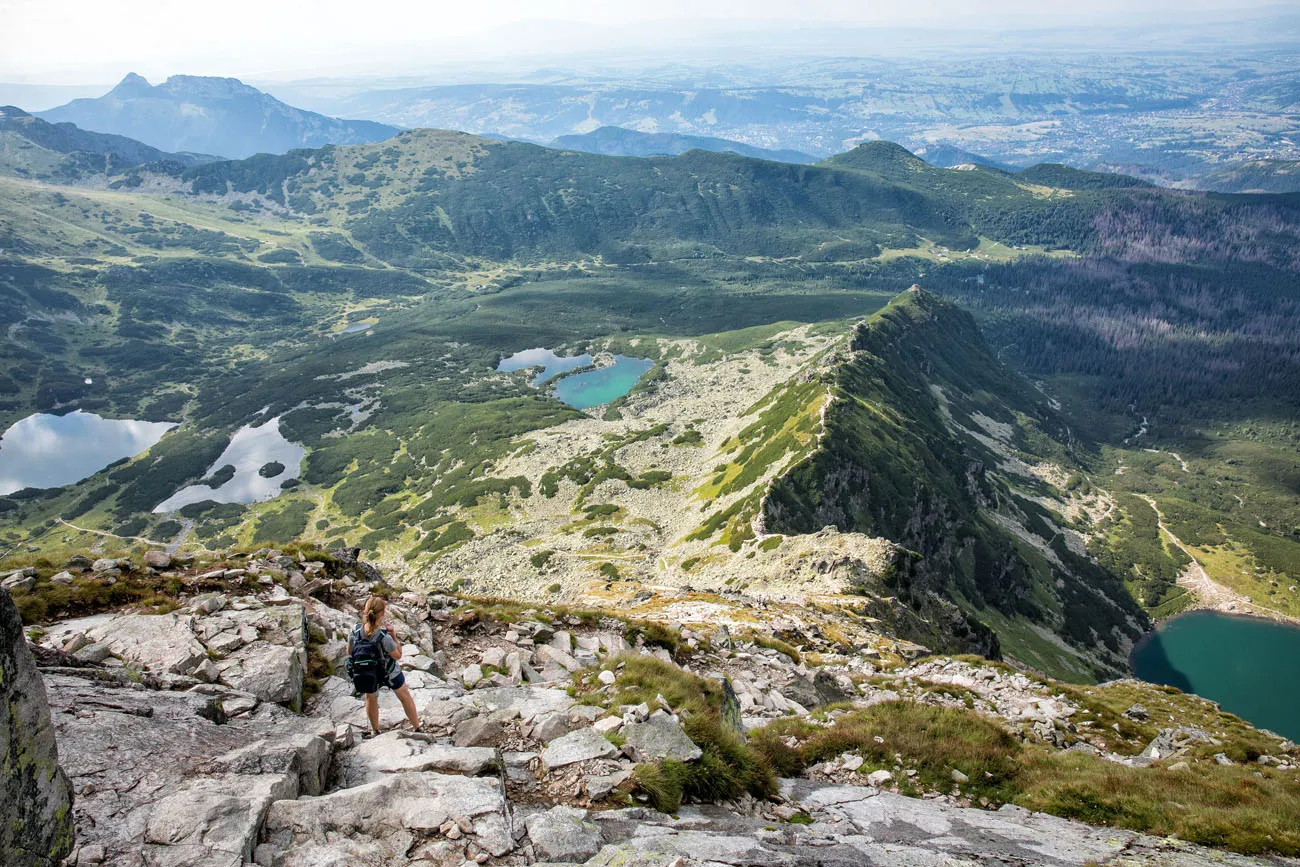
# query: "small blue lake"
{"points": [[356, 327], [552, 365], [605, 384], [49, 451]]}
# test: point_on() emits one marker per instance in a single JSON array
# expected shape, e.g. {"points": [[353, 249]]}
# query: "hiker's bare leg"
{"points": [[408, 704], [372, 710]]}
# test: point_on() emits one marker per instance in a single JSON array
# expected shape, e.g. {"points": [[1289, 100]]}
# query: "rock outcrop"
{"points": [[215, 735], [36, 821]]}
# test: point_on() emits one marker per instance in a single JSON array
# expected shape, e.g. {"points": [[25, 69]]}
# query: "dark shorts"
{"points": [[397, 681]]}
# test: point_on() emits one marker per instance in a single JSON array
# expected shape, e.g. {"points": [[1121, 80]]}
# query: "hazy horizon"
{"points": [[72, 42]]}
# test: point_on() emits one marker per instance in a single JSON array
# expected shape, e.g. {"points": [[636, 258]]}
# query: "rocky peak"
{"points": [[202, 87], [133, 85]]}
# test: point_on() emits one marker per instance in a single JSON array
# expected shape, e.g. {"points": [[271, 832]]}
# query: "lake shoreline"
{"points": [[1269, 615]]}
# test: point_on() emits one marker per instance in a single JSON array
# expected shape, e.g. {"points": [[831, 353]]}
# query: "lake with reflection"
{"points": [[49, 451], [250, 449], [552, 365]]}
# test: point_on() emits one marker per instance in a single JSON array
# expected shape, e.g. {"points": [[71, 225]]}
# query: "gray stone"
{"points": [[303, 756], [160, 642], [393, 753], [272, 672], [18, 582], [95, 653], [65, 578], [36, 793], [660, 737], [418, 803], [563, 834], [549, 726], [212, 821], [546, 655], [599, 786], [157, 559], [477, 731], [579, 746]]}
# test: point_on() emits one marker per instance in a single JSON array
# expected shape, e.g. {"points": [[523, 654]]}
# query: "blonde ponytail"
{"points": [[373, 613]]}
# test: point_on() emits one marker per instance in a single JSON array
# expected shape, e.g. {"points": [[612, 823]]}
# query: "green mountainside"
{"points": [[934, 444], [1253, 176], [218, 296], [63, 152]]}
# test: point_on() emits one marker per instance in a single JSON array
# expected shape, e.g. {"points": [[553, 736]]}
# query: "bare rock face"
{"points": [[36, 819]]}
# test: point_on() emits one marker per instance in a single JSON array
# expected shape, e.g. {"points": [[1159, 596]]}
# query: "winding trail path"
{"points": [[1210, 593]]}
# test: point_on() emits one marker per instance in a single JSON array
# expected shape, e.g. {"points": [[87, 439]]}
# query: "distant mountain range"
{"points": [[211, 115], [616, 141], [34, 147]]}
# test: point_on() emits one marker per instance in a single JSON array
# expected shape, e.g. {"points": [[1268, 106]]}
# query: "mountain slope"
{"points": [[1253, 176], [32, 147], [930, 442], [211, 115], [618, 142]]}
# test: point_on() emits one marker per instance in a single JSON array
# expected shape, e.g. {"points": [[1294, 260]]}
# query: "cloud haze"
{"points": [[69, 40]]}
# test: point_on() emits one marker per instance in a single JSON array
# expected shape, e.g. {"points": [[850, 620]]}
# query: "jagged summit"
{"points": [[132, 85]]}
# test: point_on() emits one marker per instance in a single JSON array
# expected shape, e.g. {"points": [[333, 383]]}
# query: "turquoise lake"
{"points": [[552, 365], [1251, 667], [605, 384]]}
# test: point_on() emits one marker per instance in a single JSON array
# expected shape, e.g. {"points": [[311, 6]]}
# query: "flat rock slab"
{"points": [[563, 834], [391, 753], [127, 750], [396, 806], [212, 821], [660, 737], [528, 700], [159, 642], [579, 746]]}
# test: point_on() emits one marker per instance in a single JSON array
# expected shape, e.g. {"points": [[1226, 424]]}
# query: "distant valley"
{"points": [[326, 326]]}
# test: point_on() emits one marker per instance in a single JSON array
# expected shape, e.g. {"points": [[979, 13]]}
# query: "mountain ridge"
{"points": [[618, 141], [210, 115]]}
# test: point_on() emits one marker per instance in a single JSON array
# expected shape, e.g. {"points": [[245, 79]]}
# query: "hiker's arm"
{"points": [[396, 652]]}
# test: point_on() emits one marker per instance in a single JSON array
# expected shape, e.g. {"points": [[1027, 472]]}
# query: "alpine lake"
{"points": [[585, 388], [1249, 665], [45, 450]]}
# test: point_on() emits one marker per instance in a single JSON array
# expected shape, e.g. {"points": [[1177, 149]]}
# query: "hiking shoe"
{"points": [[367, 735]]}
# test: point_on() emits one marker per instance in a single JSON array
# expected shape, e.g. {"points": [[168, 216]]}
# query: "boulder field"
{"points": [[218, 734]]}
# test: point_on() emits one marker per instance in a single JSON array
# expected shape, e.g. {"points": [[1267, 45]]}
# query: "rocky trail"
{"points": [[217, 734]]}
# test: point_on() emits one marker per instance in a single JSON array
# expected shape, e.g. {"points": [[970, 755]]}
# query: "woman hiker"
{"points": [[372, 663]]}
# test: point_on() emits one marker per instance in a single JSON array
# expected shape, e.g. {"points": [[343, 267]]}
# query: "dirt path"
{"points": [[111, 535], [1208, 592]]}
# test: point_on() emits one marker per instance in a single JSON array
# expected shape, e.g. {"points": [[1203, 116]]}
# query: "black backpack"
{"points": [[367, 665]]}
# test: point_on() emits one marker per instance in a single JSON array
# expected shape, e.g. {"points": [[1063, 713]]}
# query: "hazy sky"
{"points": [[79, 41]]}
